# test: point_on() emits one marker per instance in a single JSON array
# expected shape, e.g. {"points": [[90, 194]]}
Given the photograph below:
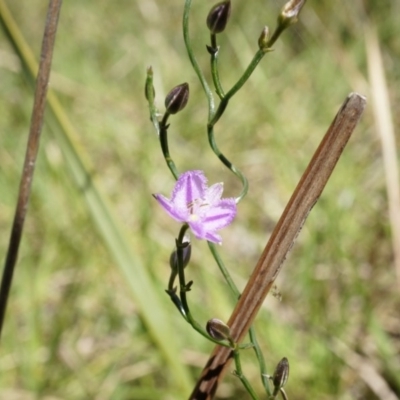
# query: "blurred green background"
{"points": [[88, 317]]}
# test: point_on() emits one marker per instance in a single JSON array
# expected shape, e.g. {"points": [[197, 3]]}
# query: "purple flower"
{"points": [[199, 206]]}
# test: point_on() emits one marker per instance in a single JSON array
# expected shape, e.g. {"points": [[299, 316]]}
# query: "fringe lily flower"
{"points": [[200, 206]]}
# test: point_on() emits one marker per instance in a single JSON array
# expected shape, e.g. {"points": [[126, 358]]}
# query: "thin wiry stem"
{"points": [[192, 58]]}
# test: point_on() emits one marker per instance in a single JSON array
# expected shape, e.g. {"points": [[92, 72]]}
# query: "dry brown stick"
{"points": [[31, 152], [288, 227]]}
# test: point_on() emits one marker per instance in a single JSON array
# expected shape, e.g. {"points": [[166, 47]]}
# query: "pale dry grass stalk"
{"points": [[385, 129], [365, 369]]}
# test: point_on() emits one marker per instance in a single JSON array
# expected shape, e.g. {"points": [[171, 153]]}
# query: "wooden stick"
{"points": [[281, 241]]}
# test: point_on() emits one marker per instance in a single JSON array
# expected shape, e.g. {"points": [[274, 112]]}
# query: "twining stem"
{"points": [[164, 146], [227, 163], [192, 58], [210, 99], [215, 116], [237, 86]]}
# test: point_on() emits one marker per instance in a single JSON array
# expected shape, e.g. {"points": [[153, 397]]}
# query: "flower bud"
{"points": [[263, 39], [146, 92], [281, 375], [149, 88], [218, 330], [187, 252], [290, 12], [218, 17], [177, 98]]}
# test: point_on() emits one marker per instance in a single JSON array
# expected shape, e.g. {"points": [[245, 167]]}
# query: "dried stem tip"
{"points": [[218, 17], [290, 12], [218, 330], [177, 98]]}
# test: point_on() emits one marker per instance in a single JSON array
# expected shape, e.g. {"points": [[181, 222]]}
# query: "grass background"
{"points": [[74, 327]]}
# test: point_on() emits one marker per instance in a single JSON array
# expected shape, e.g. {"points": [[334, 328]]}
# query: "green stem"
{"points": [[227, 163], [223, 270], [220, 110], [238, 85], [261, 361], [284, 395], [164, 146], [252, 333], [192, 58], [181, 273], [278, 30], [184, 287], [239, 374], [160, 127], [171, 280], [214, 50]]}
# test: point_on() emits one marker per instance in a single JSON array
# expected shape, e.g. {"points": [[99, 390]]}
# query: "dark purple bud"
{"points": [[218, 330], [281, 374], [177, 98], [290, 12], [218, 17], [187, 252]]}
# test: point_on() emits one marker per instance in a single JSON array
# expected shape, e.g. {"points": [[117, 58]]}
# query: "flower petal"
{"points": [[220, 215], [190, 186], [213, 237], [179, 214], [198, 229], [200, 232], [213, 193]]}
